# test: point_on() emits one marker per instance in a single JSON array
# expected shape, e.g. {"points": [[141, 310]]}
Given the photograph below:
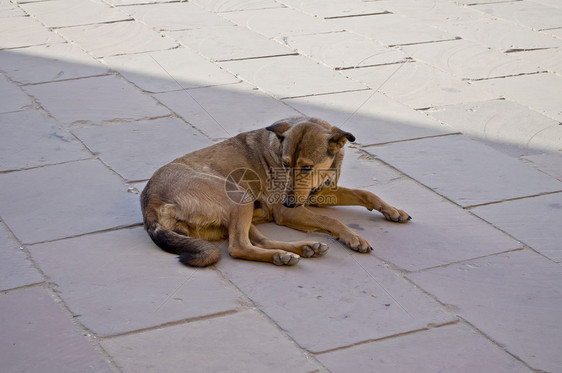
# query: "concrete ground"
{"points": [[456, 106]]}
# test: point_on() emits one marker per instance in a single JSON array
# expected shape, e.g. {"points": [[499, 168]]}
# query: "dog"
{"points": [[269, 174]]}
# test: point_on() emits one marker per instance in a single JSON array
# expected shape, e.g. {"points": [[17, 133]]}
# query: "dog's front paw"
{"points": [[395, 215], [315, 250], [356, 242], [285, 259]]}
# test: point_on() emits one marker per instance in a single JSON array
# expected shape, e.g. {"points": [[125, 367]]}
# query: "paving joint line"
{"points": [[397, 335], [511, 199]]}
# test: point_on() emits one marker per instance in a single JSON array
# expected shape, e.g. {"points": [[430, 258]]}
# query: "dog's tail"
{"points": [[193, 252]]}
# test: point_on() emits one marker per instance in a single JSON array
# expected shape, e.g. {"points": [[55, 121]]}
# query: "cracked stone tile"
{"points": [[513, 298], [418, 85], [503, 121], [47, 63], [15, 269], [468, 60], [17, 32], [119, 99], [334, 9], [545, 59], [343, 50], [169, 70], [536, 232], [38, 337], [58, 201], [135, 150], [229, 43], [280, 22], [448, 348], [221, 112], [352, 297], [31, 139], [392, 30], [119, 281], [117, 38], [252, 342], [291, 76], [530, 14], [56, 13], [176, 16], [11, 97], [540, 92], [371, 116], [464, 170], [221, 6]]}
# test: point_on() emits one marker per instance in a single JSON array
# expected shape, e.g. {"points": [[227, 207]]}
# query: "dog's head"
{"points": [[312, 152]]}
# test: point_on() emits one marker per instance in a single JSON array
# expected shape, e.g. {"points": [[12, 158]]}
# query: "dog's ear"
{"points": [[337, 140], [279, 128]]}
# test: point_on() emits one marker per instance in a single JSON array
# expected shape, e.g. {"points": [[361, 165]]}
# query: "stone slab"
{"points": [[137, 2], [549, 163], [280, 22], [54, 202], [11, 97], [544, 59], [371, 116], [136, 150], [537, 232], [514, 299], [503, 121], [15, 269], [221, 6], [531, 14], [119, 99], [418, 85], [47, 63], [336, 9], [392, 29], [120, 281], [337, 300], [291, 76], [440, 232], [465, 171], [9, 10], [499, 34], [125, 38], [229, 43], [468, 60], [446, 349], [435, 13], [176, 16], [540, 92], [221, 112], [169, 70], [55, 13], [38, 337], [17, 32], [242, 342], [31, 139], [342, 50]]}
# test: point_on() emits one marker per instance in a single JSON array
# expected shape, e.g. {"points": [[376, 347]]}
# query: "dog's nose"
{"points": [[289, 202]]}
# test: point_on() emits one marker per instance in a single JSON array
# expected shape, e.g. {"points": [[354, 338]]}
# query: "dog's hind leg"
{"points": [[306, 249], [240, 245]]}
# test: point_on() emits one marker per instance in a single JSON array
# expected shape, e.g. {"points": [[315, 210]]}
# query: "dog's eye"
{"points": [[286, 165], [306, 169]]}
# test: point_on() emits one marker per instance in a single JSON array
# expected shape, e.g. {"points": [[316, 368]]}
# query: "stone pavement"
{"points": [[457, 110]]}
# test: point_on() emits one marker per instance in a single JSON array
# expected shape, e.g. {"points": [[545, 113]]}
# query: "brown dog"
{"points": [[265, 175]]}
